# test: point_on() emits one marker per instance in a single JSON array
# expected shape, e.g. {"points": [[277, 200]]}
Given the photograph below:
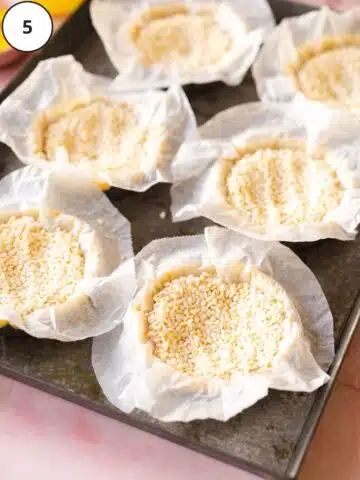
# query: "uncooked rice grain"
{"points": [[101, 134], [206, 326], [38, 268], [329, 70], [189, 37], [269, 184]]}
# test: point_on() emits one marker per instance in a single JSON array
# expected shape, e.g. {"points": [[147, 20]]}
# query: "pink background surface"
{"points": [[44, 437]]}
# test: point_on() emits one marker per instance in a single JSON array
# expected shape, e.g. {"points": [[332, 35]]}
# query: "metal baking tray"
{"points": [[270, 438]]}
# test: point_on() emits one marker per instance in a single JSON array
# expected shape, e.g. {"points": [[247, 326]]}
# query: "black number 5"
{"points": [[27, 28]]}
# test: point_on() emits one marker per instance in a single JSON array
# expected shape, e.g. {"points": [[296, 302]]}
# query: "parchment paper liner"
{"points": [[131, 378], [109, 279], [249, 22], [272, 68], [332, 133], [59, 83]]}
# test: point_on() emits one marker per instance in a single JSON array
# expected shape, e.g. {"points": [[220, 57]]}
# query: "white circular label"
{"points": [[27, 26]]}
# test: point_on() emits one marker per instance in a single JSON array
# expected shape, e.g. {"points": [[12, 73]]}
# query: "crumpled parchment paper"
{"points": [[248, 23], [130, 378], [273, 80], [109, 278], [60, 82], [332, 131]]}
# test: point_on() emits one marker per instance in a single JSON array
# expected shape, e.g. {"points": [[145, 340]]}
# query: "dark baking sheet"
{"points": [[269, 438]]}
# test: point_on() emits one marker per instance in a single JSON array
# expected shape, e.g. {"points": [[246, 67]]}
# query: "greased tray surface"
{"points": [[269, 438]]}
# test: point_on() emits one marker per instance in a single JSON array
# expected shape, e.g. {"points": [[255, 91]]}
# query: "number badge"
{"points": [[27, 26]]}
